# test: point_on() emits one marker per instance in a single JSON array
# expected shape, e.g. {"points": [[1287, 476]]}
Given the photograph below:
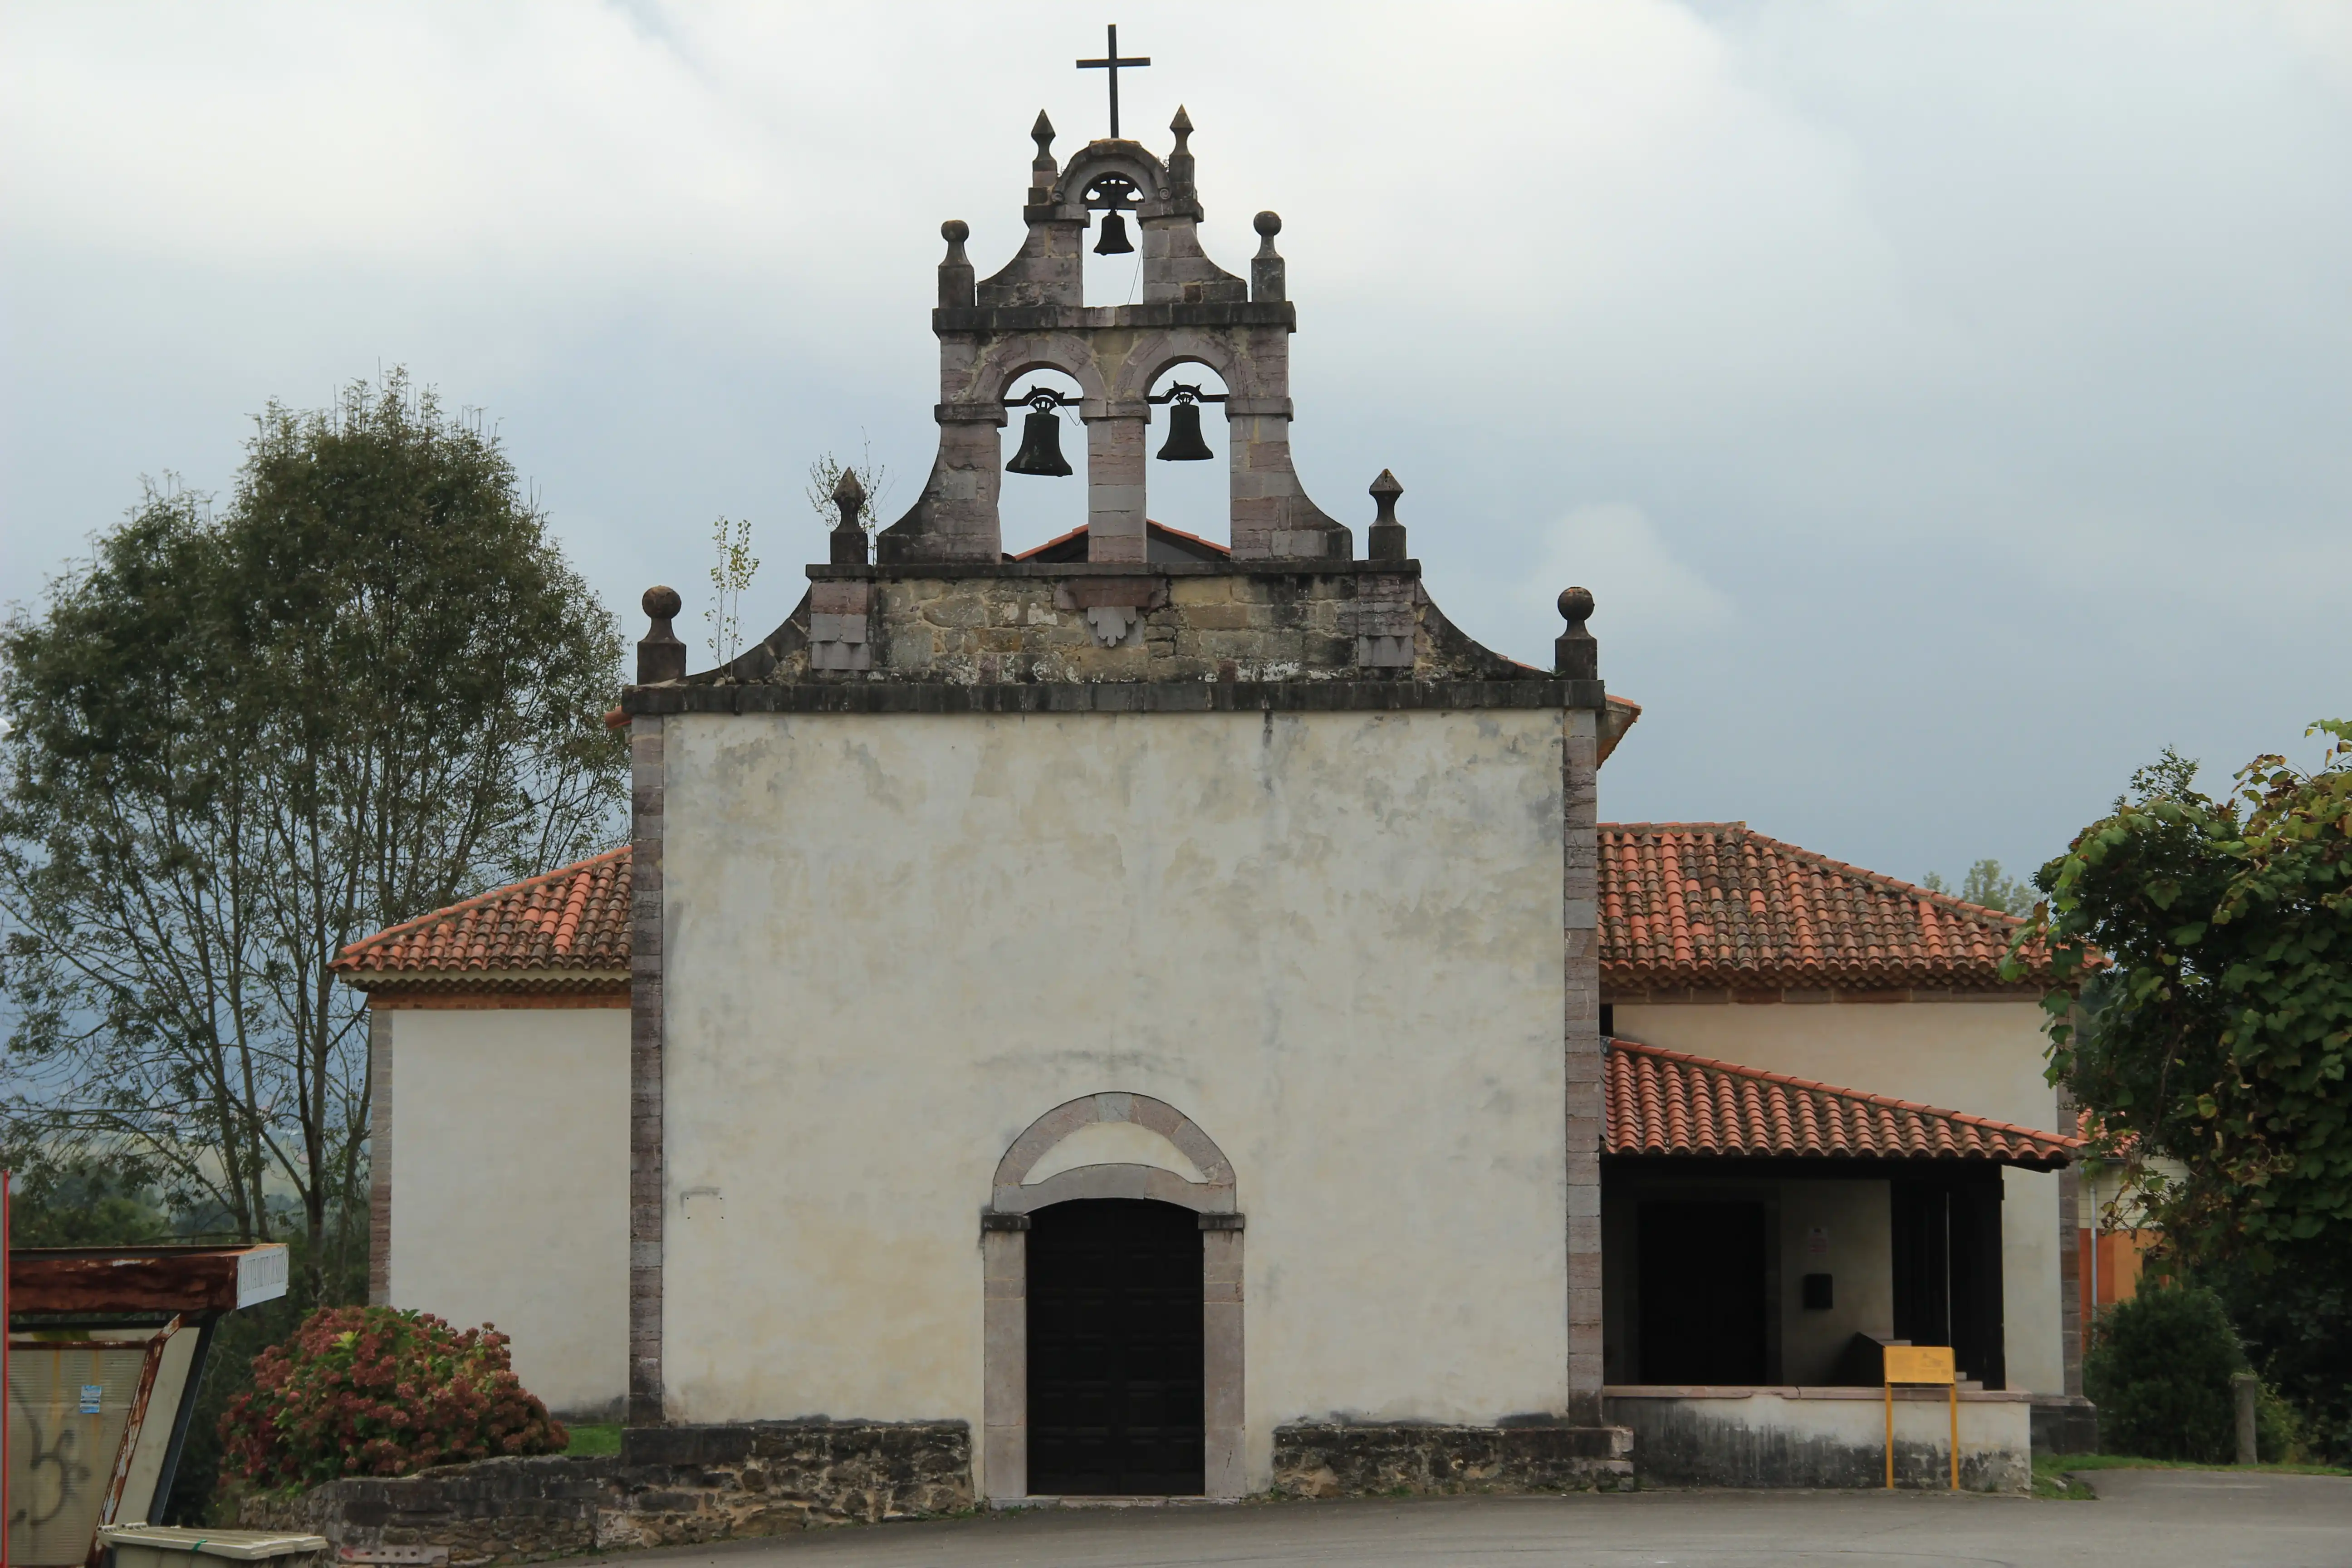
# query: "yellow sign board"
{"points": [[1919, 1363], [1922, 1364]]}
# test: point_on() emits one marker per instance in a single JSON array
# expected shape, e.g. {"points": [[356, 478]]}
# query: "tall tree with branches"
{"points": [[368, 687]]}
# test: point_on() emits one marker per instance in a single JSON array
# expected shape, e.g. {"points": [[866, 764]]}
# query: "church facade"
{"points": [[1168, 1010]]}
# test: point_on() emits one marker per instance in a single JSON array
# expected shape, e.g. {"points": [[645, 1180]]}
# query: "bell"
{"points": [[1114, 240], [1041, 447], [1184, 444]]}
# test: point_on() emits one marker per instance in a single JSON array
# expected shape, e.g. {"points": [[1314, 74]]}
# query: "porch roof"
{"points": [[565, 929], [1659, 1101]]}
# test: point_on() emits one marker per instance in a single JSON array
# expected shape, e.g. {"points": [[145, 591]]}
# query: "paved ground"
{"points": [[2145, 1518]]}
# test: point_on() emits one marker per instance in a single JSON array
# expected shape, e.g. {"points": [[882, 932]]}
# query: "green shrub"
{"points": [[2280, 1435], [2159, 1372], [373, 1391]]}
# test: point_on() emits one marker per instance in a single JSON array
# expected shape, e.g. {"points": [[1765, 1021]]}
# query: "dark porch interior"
{"points": [[1695, 1246]]}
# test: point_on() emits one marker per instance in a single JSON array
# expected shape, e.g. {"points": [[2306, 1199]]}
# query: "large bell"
{"points": [[1041, 447], [1184, 444], [1114, 240]]}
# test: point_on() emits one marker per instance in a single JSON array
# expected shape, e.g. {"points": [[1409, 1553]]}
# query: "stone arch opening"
{"points": [[1124, 1217], [1033, 508], [1191, 444]]}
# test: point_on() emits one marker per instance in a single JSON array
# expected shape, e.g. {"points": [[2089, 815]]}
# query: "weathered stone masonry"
{"points": [[667, 1487]]}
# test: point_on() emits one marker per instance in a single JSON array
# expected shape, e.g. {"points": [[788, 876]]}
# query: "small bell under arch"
{"points": [[1041, 436], [1184, 444], [1111, 196]]}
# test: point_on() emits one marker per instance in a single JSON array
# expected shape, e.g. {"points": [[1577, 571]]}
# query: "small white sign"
{"points": [[91, 1392], [1817, 1241]]}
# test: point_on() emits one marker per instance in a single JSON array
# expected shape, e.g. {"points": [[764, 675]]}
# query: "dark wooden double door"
{"points": [[1115, 1364]]}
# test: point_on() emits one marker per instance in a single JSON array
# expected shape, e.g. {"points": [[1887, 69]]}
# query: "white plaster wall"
{"points": [[1982, 1058], [1332, 939], [510, 1187], [1858, 1220]]}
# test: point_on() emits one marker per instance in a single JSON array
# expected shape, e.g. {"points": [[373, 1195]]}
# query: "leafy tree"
{"points": [[81, 1201], [2221, 1033], [234, 744], [1987, 886], [2296, 1319]]}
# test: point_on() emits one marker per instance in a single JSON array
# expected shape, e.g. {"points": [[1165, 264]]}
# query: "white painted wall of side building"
{"points": [[1333, 940], [510, 1187]]}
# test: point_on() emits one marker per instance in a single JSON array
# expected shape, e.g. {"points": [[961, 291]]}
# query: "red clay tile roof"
{"points": [[1703, 905], [568, 923], [1716, 905], [1664, 1102], [1151, 527]]}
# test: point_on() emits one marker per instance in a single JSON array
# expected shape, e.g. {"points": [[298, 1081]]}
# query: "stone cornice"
{"points": [[949, 570], [1339, 694], [1095, 318]]}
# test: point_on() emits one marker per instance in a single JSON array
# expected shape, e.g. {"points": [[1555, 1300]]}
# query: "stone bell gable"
{"points": [[1032, 315], [1027, 623]]}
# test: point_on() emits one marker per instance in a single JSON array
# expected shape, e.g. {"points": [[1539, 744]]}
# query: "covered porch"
{"points": [[1765, 1237]]}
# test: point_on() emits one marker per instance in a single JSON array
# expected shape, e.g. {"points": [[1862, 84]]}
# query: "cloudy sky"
{"points": [[1949, 405]]}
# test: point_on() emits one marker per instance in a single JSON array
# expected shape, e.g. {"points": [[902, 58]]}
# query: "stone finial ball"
{"points": [[1575, 605], [662, 602], [1268, 224], [955, 231]]}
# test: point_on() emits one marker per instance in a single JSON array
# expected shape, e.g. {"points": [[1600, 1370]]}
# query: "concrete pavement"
{"points": [[2145, 1518]]}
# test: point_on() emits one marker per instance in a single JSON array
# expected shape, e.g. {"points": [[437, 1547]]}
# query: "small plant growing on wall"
{"points": [[374, 1391]]}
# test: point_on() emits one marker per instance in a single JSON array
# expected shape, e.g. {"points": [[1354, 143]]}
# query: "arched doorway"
{"points": [[1115, 1350], [1132, 1366]]}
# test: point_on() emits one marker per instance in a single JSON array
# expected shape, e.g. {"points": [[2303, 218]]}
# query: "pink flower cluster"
{"points": [[374, 1391]]}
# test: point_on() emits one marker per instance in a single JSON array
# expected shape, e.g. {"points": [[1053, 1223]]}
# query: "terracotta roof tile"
{"points": [[572, 920], [1658, 1101], [1713, 904], [1709, 905]]}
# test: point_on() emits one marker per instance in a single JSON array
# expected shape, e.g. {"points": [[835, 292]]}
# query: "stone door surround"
{"points": [[1004, 1258]]}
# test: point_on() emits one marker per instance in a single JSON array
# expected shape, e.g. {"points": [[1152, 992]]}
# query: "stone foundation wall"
{"points": [[1325, 1461], [668, 1487], [2064, 1423]]}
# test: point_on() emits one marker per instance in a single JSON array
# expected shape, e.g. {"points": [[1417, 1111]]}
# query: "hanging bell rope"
{"points": [[1041, 434], [1184, 444]]}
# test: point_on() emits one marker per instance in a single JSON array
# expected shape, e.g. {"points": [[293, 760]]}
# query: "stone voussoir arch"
{"points": [[1007, 360], [1136, 165], [1213, 1193], [1157, 353]]}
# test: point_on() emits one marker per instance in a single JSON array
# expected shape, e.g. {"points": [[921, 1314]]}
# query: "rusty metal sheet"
{"points": [[131, 1279]]}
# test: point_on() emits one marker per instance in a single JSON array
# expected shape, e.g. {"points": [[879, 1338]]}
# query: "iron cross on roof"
{"points": [[1112, 64]]}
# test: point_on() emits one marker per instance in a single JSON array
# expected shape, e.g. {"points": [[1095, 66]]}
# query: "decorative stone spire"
{"points": [[957, 282], [660, 656], [1387, 540], [848, 538], [1266, 266], [1042, 171], [1575, 655], [1180, 162]]}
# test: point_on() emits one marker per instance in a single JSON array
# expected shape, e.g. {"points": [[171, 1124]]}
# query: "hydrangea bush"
{"points": [[374, 1391]]}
